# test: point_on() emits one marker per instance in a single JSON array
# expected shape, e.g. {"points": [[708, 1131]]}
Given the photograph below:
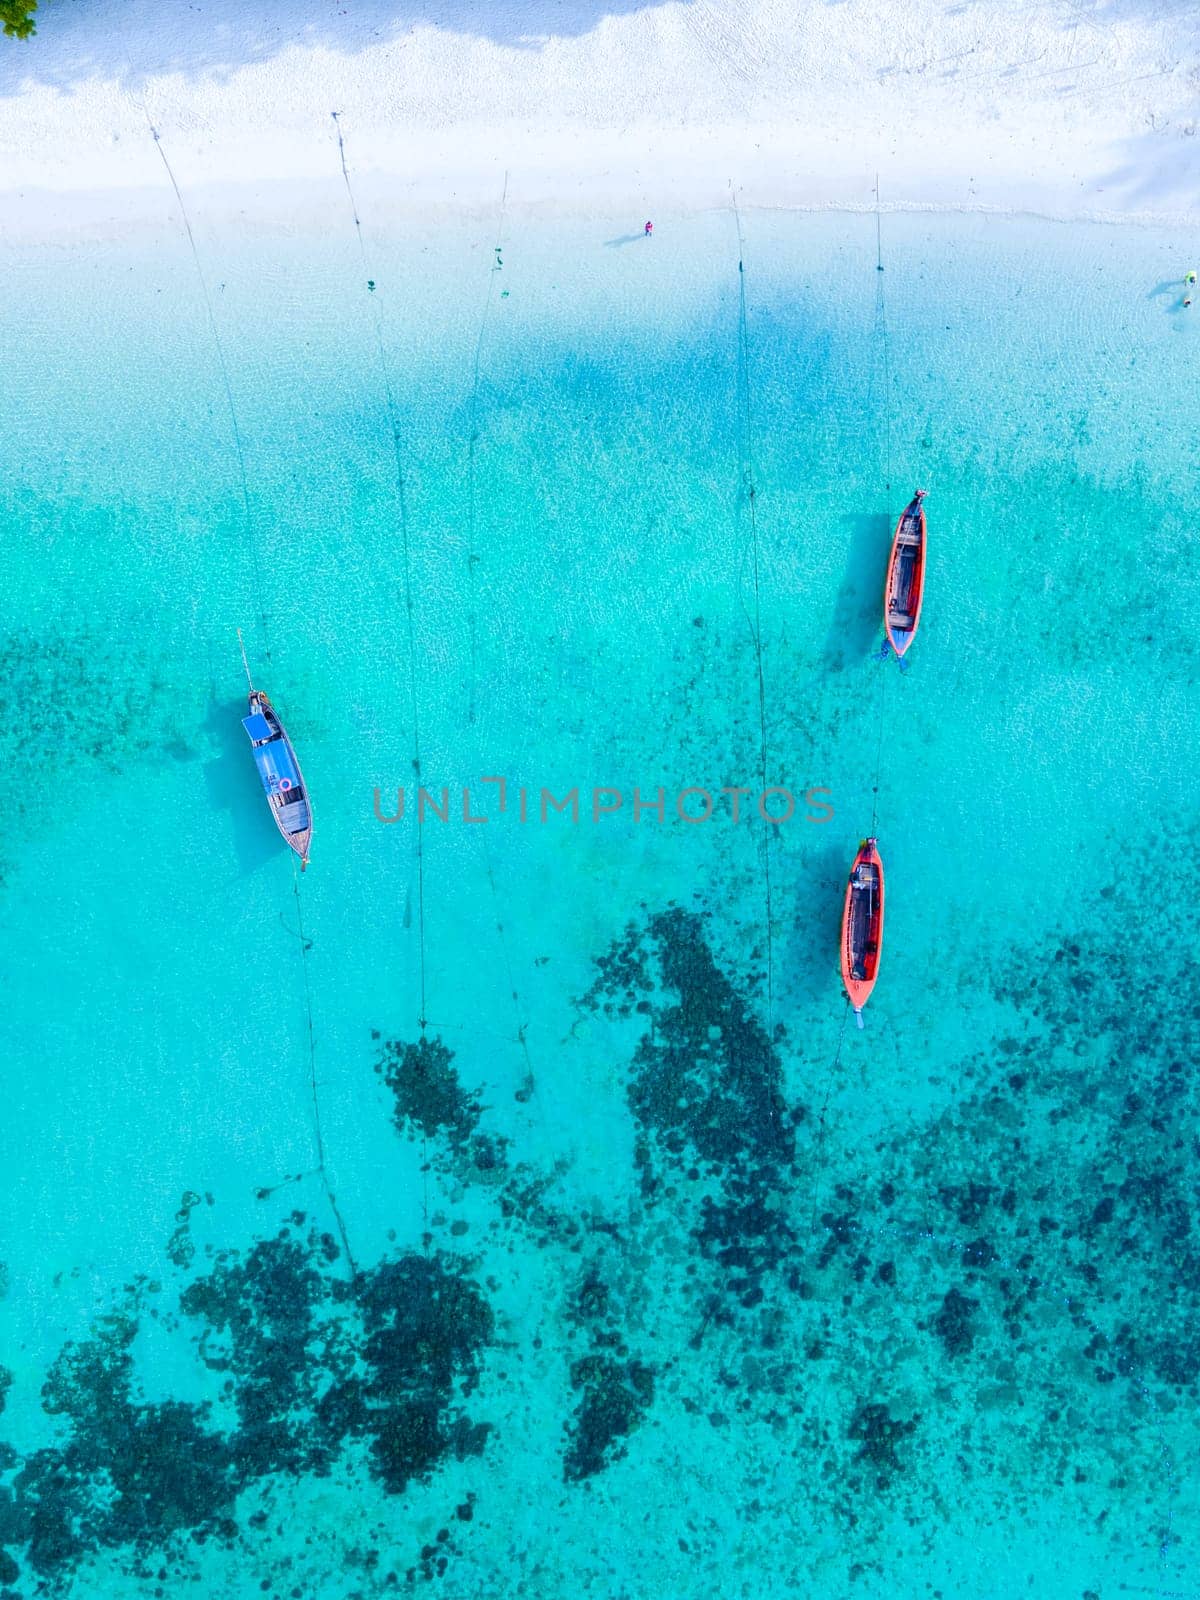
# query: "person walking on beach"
{"points": [[650, 229]]}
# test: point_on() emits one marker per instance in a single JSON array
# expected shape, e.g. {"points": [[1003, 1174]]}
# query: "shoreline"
{"points": [[1059, 109], [34, 215]]}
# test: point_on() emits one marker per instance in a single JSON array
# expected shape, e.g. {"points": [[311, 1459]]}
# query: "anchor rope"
{"points": [[318, 1132], [223, 364], [881, 329], [748, 485], [914, 1236], [882, 343], [402, 504], [522, 1024], [819, 1145], [879, 754], [305, 947], [519, 1017], [472, 557]]}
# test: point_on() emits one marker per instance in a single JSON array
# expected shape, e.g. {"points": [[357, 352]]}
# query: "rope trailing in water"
{"points": [[266, 647], [522, 1024], [224, 367], [472, 558], [496, 266], [878, 756], [305, 947], [402, 503], [746, 451], [819, 1146], [402, 506], [881, 340], [883, 343], [881, 331]]}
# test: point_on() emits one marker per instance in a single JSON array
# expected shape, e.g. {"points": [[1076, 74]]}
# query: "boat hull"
{"points": [[904, 590], [862, 924], [282, 779]]}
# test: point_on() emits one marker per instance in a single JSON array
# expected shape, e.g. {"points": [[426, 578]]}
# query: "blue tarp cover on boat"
{"points": [[257, 726], [276, 767]]}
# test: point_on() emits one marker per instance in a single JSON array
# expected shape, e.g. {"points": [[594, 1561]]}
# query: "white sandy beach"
{"points": [[1062, 108]]}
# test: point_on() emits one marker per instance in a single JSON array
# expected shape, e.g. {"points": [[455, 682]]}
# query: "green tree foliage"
{"points": [[17, 17]]}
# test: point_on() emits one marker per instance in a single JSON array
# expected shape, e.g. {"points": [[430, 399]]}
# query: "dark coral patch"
{"points": [[615, 1396], [878, 1433], [705, 1087], [128, 1473], [181, 1248], [426, 1090], [429, 1098], [313, 1362], [615, 1389], [262, 1314], [954, 1323], [425, 1326], [709, 1076], [968, 1202]]}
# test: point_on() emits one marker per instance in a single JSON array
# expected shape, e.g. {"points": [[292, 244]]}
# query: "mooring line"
{"points": [[495, 267], [881, 329], [819, 1145], [225, 379], [1169, 1479], [305, 943], [305, 947], [402, 503], [879, 754], [522, 1024], [882, 340], [746, 450], [472, 557]]}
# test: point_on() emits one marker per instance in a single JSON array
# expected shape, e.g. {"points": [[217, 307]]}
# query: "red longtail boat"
{"points": [[862, 926], [905, 587]]}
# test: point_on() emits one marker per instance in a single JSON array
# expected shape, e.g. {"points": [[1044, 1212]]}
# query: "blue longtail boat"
{"points": [[279, 770]]}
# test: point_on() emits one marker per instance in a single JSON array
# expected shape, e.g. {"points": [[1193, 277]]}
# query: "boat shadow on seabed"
{"points": [[854, 626], [820, 878], [255, 840]]}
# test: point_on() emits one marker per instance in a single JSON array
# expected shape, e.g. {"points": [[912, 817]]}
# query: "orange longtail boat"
{"points": [[862, 926], [905, 587]]}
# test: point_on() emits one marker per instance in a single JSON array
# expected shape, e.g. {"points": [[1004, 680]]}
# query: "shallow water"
{"points": [[662, 1277]]}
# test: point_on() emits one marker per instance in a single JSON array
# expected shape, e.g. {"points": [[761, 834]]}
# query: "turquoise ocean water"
{"points": [[661, 1279]]}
